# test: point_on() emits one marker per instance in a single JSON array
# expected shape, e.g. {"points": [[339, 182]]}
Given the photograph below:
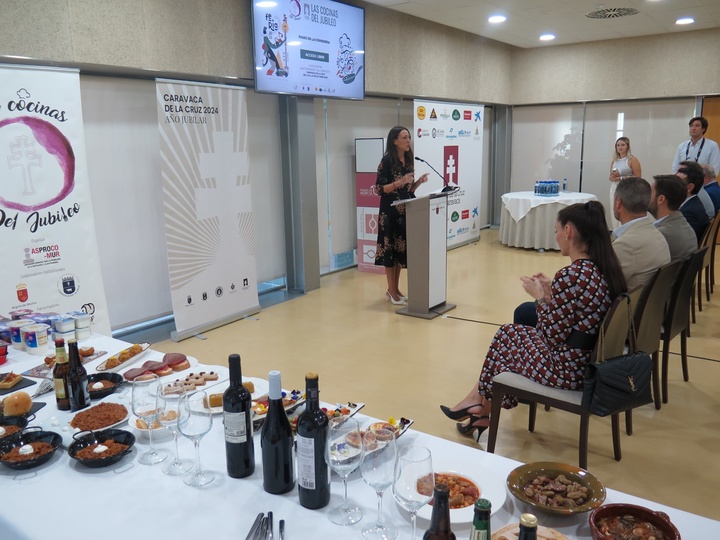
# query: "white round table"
{"points": [[528, 220]]}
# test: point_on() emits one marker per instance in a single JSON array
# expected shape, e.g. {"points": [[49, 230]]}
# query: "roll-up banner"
{"points": [[47, 229], [449, 138], [208, 208]]}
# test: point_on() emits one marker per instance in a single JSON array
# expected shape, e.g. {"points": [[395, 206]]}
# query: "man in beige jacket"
{"points": [[639, 246]]}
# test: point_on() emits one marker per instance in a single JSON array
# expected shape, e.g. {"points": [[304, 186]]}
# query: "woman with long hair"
{"points": [[571, 308], [623, 164], [395, 181]]}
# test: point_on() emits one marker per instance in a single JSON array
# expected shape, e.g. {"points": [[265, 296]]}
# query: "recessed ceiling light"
{"points": [[547, 37], [497, 19], [685, 20]]}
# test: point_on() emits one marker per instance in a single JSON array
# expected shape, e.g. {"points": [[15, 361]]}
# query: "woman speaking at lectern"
{"points": [[395, 181]]}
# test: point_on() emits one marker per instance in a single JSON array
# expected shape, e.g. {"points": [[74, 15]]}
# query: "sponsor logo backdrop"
{"points": [[208, 207], [449, 136], [47, 228]]}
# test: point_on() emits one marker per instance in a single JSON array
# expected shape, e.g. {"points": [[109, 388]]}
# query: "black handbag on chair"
{"points": [[617, 384]]}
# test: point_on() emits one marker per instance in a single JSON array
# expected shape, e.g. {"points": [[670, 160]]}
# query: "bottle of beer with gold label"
{"points": [[60, 376]]}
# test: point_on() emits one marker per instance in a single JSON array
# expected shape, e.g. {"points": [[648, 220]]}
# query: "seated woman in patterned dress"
{"points": [[570, 309]]}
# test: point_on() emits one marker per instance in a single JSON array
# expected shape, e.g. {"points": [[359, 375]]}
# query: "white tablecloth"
{"points": [[131, 500], [528, 221]]}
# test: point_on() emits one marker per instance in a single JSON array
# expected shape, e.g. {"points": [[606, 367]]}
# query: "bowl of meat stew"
{"points": [[556, 488], [628, 521]]}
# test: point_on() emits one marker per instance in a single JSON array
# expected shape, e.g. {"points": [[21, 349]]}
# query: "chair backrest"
{"points": [[616, 327], [676, 319], [635, 295], [709, 238], [650, 309]]}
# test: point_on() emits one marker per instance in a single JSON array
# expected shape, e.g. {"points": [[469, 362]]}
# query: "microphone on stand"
{"points": [[447, 187]]}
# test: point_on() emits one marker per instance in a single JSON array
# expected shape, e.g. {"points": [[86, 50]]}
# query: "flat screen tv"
{"points": [[309, 48]]}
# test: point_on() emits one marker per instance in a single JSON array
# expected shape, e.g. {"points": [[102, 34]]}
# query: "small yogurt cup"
{"points": [[64, 335], [20, 314], [82, 333], [64, 324], [83, 321], [15, 326], [35, 337]]}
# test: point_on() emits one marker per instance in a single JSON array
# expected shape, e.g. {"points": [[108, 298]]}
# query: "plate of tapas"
{"points": [[258, 387], [166, 367], [464, 491], [87, 354], [124, 358]]}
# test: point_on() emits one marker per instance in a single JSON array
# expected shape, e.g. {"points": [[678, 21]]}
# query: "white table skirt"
{"points": [[528, 221], [131, 500]]}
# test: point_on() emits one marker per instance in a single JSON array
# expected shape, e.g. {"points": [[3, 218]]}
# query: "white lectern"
{"points": [[427, 256]]}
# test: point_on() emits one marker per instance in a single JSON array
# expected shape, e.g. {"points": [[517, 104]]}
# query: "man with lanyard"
{"points": [[698, 148]]}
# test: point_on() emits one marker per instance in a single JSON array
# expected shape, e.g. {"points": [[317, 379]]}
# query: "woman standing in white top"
{"points": [[624, 164]]}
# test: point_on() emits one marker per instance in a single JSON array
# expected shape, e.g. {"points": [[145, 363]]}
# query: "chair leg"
{"points": [[532, 416], [666, 353], [692, 305], [615, 421], [583, 443], [683, 355], [494, 421], [628, 422], [707, 283], [699, 291], [656, 379]]}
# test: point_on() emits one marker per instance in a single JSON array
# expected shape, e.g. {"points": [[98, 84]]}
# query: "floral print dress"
{"points": [[579, 301], [392, 238]]}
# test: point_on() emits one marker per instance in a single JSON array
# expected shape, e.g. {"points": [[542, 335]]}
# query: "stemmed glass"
{"points": [[169, 404], [413, 464], [194, 422], [343, 454], [145, 406], [378, 469]]}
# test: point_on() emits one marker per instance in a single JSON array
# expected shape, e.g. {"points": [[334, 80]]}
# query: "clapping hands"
{"points": [[537, 286]]}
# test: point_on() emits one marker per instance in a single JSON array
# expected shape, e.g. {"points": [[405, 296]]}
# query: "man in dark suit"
{"points": [[668, 193], [711, 185], [692, 208]]}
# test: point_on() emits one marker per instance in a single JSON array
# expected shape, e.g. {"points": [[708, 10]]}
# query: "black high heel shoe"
{"points": [[467, 429], [462, 414]]}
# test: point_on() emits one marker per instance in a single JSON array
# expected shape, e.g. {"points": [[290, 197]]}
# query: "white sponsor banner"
{"points": [[208, 207], [449, 137], [47, 228]]}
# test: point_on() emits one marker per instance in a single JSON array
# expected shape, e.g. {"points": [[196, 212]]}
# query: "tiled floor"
{"points": [[403, 366]]}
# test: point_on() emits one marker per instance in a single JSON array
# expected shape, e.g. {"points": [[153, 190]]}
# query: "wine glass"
{"points": [[194, 422], [169, 405], [145, 406], [343, 454], [378, 470], [413, 464]]}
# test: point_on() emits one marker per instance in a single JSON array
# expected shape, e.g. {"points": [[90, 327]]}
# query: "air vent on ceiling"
{"points": [[612, 13]]}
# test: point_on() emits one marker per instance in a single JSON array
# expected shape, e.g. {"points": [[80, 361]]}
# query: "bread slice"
{"points": [[8, 380]]}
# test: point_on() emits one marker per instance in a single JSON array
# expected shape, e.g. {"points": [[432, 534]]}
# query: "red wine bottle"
{"points": [[440, 519], [276, 440], [312, 428], [77, 379], [237, 419]]}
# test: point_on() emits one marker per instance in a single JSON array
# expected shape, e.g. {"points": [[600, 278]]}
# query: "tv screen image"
{"points": [[312, 48]]}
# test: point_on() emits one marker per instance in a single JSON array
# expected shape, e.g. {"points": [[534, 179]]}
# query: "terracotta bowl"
{"points": [[657, 519]]}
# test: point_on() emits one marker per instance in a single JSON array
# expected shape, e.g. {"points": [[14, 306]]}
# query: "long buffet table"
{"points": [[528, 220], [130, 500]]}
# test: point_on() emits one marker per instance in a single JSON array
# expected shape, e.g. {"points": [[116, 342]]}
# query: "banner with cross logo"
{"points": [[47, 227], [449, 137], [209, 221]]}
